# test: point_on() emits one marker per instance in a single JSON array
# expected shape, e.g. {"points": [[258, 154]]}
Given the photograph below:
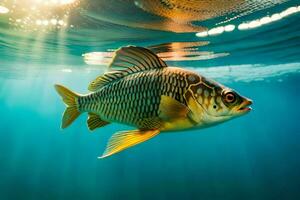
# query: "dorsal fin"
{"points": [[128, 60], [106, 78], [130, 56]]}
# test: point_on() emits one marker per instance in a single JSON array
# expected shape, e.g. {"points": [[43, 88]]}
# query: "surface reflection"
{"points": [[173, 51]]}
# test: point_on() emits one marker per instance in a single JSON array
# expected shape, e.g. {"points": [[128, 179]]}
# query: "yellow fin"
{"points": [[128, 60], [170, 108], [125, 139], [70, 99], [94, 121], [138, 57], [105, 79]]}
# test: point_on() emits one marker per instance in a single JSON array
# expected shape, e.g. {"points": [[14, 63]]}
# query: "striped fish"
{"points": [[142, 91]]}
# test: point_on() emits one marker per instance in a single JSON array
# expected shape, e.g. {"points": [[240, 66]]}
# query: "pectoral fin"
{"points": [[170, 108], [94, 121], [125, 139]]}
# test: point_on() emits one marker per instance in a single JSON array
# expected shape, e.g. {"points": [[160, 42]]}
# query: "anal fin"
{"points": [[125, 139], [94, 121]]}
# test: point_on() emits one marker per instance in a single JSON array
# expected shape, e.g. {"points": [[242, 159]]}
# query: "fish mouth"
{"points": [[245, 106]]}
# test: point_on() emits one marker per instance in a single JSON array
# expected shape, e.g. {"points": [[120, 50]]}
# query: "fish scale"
{"points": [[126, 100]]}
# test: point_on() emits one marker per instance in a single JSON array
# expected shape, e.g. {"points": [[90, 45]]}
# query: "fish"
{"points": [[139, 89]]}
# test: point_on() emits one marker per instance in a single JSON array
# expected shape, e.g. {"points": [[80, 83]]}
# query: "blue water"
{"points": [[252, 157]]}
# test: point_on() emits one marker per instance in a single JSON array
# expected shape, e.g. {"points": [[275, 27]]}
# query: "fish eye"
{"points": [[230, 97], [215, 106]]}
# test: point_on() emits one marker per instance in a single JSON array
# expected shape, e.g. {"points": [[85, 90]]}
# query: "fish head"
{"points": [[227, 104], [234, 104], [217, 102]]}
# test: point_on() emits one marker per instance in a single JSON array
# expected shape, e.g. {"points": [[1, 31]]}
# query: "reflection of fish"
{"points": [[140, 90]]}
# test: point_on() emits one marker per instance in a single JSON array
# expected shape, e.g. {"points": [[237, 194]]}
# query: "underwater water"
{"points": [[70, 42]]}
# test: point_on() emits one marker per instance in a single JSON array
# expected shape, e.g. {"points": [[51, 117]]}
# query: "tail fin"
{"points": [[70, 99]]}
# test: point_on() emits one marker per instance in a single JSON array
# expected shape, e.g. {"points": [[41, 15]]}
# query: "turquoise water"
{"points": [[252, 157]]}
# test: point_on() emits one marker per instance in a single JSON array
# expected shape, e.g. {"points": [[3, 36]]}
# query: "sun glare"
{"points": [[251, 24], [3, 10], [67, 1], [55, 2], [35, 15]]}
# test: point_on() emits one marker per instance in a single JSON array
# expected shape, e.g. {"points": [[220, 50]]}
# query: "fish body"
{"points": [[142, 91], [136, 98]]}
